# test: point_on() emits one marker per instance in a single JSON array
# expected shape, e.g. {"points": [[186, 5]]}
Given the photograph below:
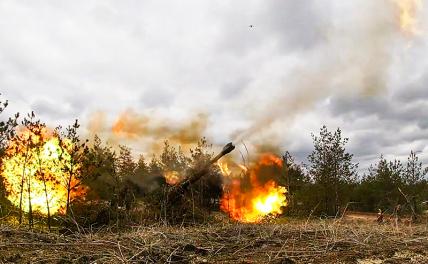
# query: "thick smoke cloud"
{"points": [[353, 60]]}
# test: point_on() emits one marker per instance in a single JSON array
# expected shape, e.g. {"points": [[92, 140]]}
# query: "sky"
{"points": [[264, 72]]}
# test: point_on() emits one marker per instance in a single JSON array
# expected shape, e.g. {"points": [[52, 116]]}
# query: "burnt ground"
{"points": [[317, 241]]}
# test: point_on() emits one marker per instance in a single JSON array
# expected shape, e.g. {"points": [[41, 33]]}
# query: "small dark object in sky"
{"points": [[251, 26]]}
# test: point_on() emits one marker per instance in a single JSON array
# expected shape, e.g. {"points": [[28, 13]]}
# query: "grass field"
{"points": [[348, 240]]}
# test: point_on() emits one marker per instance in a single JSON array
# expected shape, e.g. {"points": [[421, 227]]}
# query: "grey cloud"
{"points": [[367, 143], [417, 90], [292, 25], [234, 88], [156, 98], [423, 124], [297, 24], [396, 127], [50, 109], [359, 107], [385, 109]]}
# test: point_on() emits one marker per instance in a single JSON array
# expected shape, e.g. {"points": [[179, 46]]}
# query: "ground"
{"points": [[282, 241]]}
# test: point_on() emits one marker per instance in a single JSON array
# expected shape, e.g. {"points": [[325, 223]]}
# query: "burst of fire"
{"points": [[172, 177], [224, 168], [257, 194], [408, 11], [33, 172]]}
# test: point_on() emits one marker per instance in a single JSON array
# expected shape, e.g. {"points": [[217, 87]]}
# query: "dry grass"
{"points": [[315, 241]]}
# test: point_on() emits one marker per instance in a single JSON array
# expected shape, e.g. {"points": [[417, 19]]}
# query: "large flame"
{"points": [[224, 168], [408, 11], [253, 194], [35, 166], [172, 177]]}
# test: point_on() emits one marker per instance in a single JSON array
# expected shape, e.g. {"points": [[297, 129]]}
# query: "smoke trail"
{"points": [[354, 61]]}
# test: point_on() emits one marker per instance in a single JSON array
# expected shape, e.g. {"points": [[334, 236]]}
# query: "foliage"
{"points": [[7, 126], [121, 188], [7, 131], [331, 169], [296, 181], [70, 144], [390, 183]]}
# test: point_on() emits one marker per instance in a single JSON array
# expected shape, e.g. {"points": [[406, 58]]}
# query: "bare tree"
{"points": [[38, 130], [26, 141], [75, 150]]}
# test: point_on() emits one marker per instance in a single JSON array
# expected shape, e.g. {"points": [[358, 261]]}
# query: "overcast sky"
{"points": [[301, 64]]}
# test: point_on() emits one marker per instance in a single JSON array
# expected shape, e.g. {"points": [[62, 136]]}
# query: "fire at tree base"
{"points": [[43, 178]]}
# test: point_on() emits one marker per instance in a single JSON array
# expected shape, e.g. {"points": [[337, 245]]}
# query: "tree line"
{"points": [[330, 181], [115, 183], [102, 184]]}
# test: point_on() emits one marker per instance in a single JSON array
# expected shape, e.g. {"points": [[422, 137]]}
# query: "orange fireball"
{"points": [[172, 177], [257, 195], [33, 172]]}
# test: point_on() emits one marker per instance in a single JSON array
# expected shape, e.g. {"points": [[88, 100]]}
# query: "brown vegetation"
{"points": [[288, 241], [115, 209]]}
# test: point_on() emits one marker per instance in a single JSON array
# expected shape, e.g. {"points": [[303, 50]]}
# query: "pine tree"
{"points": [[414, 178], [7, 132], [71, 144], [7, 128], [331, 168]]}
